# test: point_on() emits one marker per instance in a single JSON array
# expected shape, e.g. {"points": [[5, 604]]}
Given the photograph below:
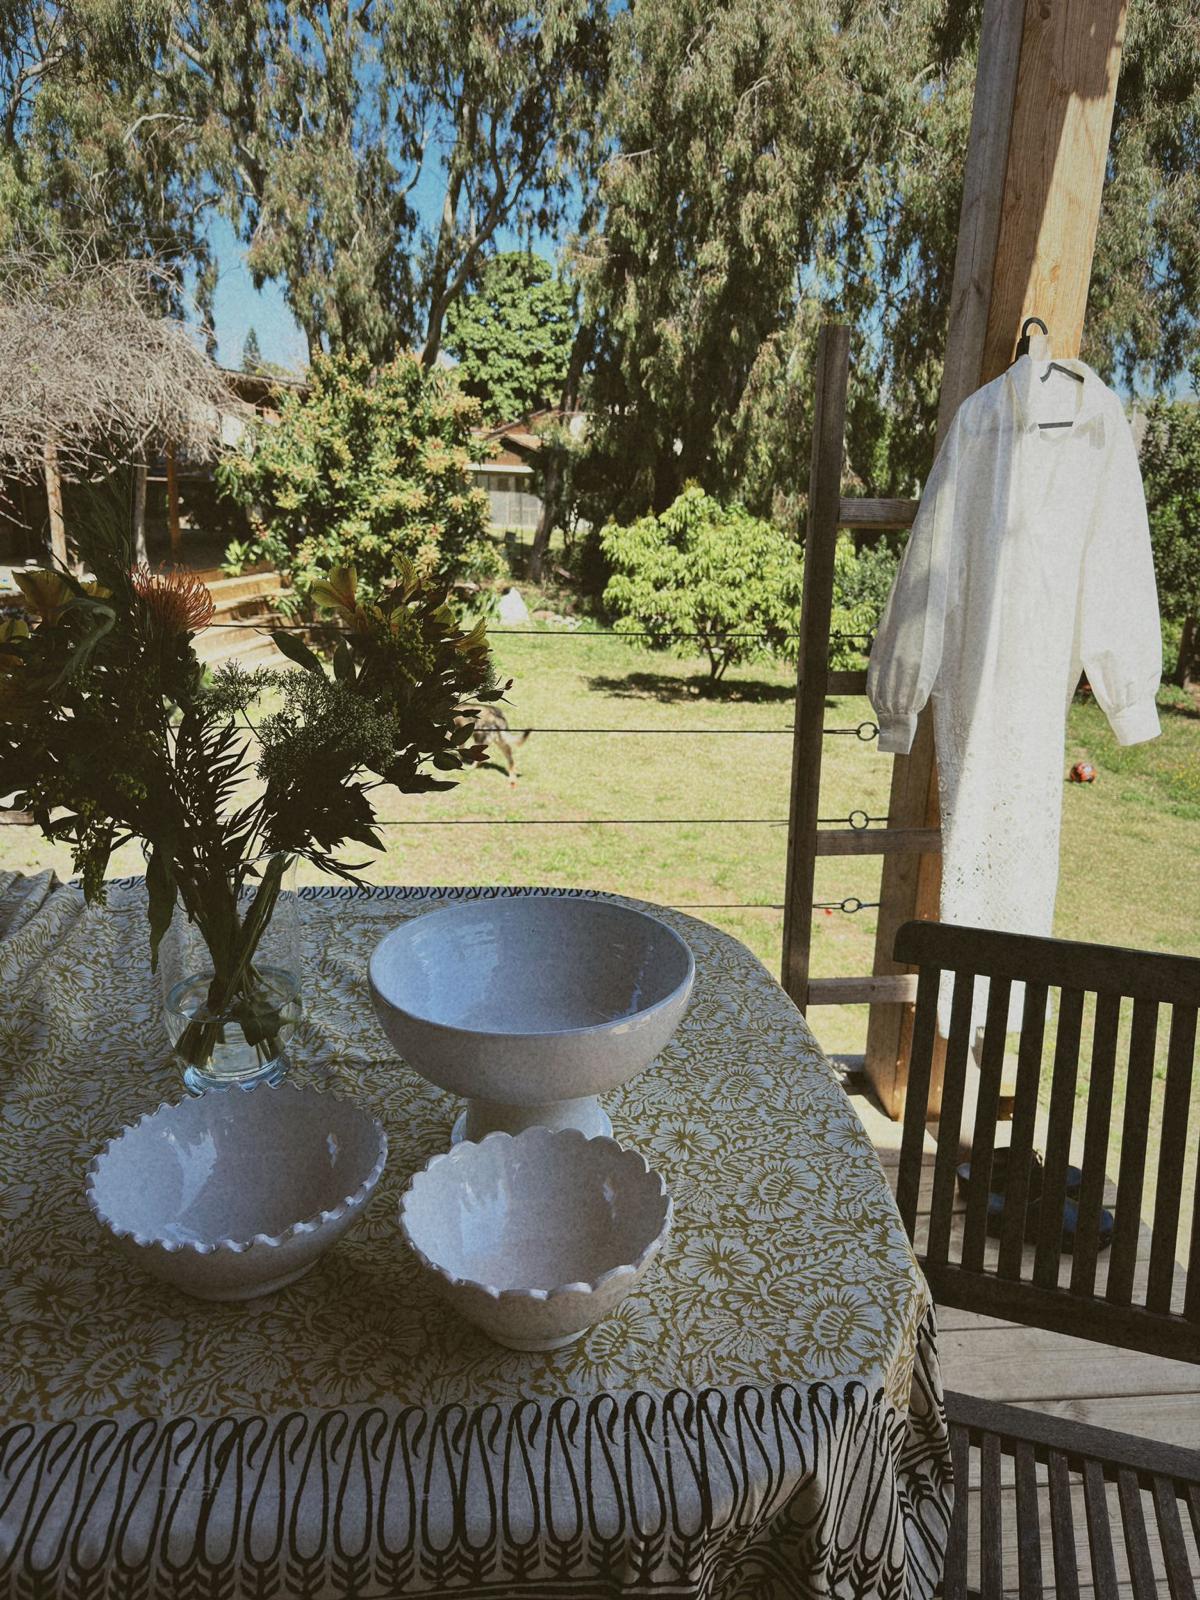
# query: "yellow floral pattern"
{"points": [[787, 1260], [788, 1272]]}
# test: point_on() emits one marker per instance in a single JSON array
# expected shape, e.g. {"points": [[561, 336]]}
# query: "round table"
{"points": [[762, 1418]]}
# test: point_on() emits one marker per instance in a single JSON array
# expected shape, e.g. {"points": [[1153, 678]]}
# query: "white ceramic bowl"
{"points": [[238, 1192], [530, 1007], [535, 1237]]}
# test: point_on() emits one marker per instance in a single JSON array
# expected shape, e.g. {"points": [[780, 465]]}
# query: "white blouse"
{"points": [[1029, 560]]}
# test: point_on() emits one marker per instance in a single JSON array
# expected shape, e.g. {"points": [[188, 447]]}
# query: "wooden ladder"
{"points": [[828, 512]]}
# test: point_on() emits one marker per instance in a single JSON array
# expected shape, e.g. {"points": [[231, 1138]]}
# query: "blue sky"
{"points": [[238, 306]]}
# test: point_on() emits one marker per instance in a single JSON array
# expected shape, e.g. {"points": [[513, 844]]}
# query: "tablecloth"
{"points": [[762, 1418]]}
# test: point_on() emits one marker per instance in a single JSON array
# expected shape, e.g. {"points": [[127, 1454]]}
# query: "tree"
{"points": [[703, 577], [91, 162], [1170, 459], [769, 170], [512, 336], [318, 123], [312, 126], [367, 469], [252, 360]]}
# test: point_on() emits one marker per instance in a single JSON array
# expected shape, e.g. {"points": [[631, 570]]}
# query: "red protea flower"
{"points": [[177, 600]]}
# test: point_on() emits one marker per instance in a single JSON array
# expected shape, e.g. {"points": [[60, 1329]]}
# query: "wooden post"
{"points": [[813, 669], [1035, 167], [173, 507], [139, 513], [58, 527]]}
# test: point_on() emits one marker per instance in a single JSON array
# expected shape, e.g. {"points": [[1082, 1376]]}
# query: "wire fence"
{"points": [[864, 731]]}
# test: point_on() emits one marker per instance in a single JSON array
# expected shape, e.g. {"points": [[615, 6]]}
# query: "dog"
{"points": [[491, 728]]}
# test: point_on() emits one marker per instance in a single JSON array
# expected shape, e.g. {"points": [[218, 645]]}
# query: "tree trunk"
{"points": [[1187, 668], [173, 506], [58, 528], [552, 479], [140, 551]]}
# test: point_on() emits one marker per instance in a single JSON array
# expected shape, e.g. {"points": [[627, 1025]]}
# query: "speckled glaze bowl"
{"points": [[537, 1236], [237, 1193], [530, 1007]]}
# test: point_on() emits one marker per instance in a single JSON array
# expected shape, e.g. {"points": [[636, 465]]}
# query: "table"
{"points": [[762, 1419]]}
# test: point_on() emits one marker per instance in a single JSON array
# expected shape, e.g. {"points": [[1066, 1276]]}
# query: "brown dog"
{"points": [[491, 728]]}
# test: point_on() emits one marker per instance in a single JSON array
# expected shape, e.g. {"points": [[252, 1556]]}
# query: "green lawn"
{"points": [[1130, 868]]}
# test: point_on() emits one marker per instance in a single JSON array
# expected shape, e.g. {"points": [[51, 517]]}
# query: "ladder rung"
{"points": [[847, 682], [877, 514], [890, 987], [877, 841]]}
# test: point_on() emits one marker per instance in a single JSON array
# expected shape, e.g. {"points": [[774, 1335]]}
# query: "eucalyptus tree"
{"points": [[369, 155], [776, 162]]}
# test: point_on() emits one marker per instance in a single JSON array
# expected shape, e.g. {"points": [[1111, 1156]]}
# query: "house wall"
{"points": [[512, 505]]}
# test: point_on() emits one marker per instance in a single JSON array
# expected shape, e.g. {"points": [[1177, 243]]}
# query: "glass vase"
{"points": [[229, 1011]]}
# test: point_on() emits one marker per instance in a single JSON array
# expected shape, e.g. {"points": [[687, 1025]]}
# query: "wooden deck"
{"points": [[1123, 1390]]}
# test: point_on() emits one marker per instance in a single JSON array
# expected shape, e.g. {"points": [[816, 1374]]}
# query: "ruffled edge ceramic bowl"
{"points": [[530, 1006], [238, 1192], [534, 1237]]}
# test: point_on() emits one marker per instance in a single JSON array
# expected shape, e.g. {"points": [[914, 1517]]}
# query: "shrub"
{"points": [[1171, 475], [366, 469], [732, 584], [729, 583]]}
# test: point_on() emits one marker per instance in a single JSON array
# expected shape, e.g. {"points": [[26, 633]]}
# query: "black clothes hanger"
{"points": [[1055, 366]]}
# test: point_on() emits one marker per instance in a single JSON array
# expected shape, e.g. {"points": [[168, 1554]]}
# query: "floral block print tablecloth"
{"points": [[762, 1419]]}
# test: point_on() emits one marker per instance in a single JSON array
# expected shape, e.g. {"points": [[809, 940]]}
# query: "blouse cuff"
{"points": [[1136, 723], [896, 730]]}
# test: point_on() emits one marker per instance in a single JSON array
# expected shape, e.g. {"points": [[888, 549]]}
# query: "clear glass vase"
{"points": [[229, 1014]]}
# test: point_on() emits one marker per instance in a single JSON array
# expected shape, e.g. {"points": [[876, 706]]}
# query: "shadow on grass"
{"points": [[665, 687]]}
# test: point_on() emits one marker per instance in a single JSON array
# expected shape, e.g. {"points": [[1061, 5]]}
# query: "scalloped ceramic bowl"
{"points": [[237, 1193], [537, 1236], [531, 1007]]}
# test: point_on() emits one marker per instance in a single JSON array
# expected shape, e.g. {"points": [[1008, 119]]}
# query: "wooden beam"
{"points": [[877, 514], [847, 683], [875, 841], [1058, 152], [825, 489], [54, 503], [862, 991], [173, 527], [1035, 165], [140, 552]]}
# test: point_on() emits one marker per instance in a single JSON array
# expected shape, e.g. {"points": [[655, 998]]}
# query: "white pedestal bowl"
{"points": [[530, 1008]]}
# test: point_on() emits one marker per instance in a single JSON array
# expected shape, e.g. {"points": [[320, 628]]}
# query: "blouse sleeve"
{"points": [[907, 654], [1120, 636]]}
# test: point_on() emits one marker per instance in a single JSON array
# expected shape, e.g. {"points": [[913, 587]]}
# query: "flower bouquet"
{"points": [[111, 731]]}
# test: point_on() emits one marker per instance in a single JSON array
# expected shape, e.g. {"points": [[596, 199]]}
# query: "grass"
{"points": [[1130, 863]]}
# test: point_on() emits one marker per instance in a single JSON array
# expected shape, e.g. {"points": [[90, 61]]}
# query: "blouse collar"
{"points": [[1025, 380]]}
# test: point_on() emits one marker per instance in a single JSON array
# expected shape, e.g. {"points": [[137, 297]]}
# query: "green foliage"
{"points": [[728, 581], [773, 168], [109, 733], [1170, 461], [251, 353], [368, 469], [512, 336], [703, 576]]}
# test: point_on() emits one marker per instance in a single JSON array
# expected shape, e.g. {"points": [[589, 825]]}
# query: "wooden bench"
{"points": [[1135, 1498]]}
